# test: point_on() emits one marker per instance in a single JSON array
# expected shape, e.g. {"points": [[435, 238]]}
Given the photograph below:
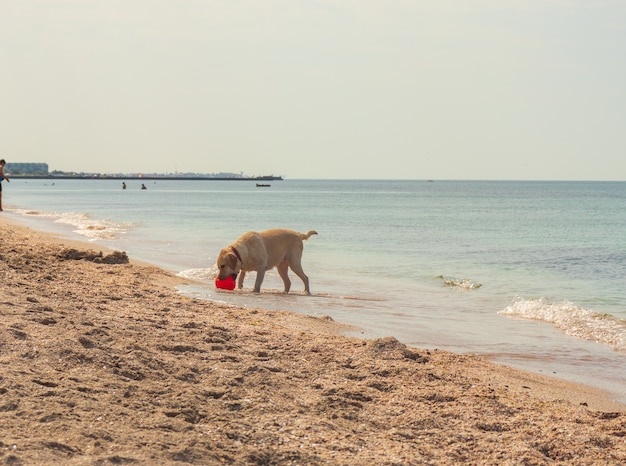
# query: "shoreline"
{"points": [[108, 362]]}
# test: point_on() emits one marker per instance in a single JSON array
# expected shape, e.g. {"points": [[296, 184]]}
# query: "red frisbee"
{"points": [[226, 284]]}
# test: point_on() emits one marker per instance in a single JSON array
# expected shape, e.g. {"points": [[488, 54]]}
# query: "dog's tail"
{"points": [[308, 234]]}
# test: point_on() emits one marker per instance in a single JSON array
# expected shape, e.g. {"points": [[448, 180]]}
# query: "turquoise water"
{"points": [[531, 274]]}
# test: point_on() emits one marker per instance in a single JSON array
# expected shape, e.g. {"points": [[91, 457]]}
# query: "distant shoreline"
{"points": [[147, 177]]}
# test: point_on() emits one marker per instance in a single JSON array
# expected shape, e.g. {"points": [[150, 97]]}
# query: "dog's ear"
{"points": [[232, 261], [226, 259]]}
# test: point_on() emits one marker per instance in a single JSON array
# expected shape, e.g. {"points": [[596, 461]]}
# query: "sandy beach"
{"points": [[103, 362]]}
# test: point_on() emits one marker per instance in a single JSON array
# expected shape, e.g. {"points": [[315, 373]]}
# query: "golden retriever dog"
{"points": [[261, 251]]}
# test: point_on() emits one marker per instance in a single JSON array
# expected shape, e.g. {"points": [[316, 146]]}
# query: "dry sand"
{"points": [[103, 362]]}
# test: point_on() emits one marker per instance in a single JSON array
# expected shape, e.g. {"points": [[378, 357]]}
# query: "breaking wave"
{"points": [[573, 320], [463, 284]]}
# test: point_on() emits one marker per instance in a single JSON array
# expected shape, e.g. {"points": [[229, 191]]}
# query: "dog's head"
{"points": [[228, 264]]}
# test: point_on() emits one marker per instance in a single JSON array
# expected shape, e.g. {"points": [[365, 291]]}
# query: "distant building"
{"points": [[13, 168]]}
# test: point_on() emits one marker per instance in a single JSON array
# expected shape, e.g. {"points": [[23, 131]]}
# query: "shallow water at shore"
{"points": [[505, 269]]}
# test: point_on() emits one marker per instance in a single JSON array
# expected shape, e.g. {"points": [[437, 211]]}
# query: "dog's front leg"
{"points": [[242, 275], [260, 274]]}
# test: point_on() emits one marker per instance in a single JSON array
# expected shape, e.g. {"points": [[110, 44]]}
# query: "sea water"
{"points": [[530, 274]]}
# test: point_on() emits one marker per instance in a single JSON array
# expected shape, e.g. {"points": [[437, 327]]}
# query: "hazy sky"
{"points": [[416, 89]]}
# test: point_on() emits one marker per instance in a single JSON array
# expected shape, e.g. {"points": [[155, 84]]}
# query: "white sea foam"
{"points": [[84, 224], [199, 274], [573, 320]]}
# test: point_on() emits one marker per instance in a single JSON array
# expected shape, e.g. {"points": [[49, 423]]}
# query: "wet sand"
{"points": [[103, 362]]}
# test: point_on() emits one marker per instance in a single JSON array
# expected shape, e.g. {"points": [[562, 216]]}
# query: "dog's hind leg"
{"points": [[283, 269], [297, 269]]}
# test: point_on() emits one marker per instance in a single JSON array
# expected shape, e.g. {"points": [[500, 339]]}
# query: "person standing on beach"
{"points": [[2, 178]]}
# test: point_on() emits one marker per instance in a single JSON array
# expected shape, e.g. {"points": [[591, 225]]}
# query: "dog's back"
{"points": [[281, 244], [284, 234]]}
